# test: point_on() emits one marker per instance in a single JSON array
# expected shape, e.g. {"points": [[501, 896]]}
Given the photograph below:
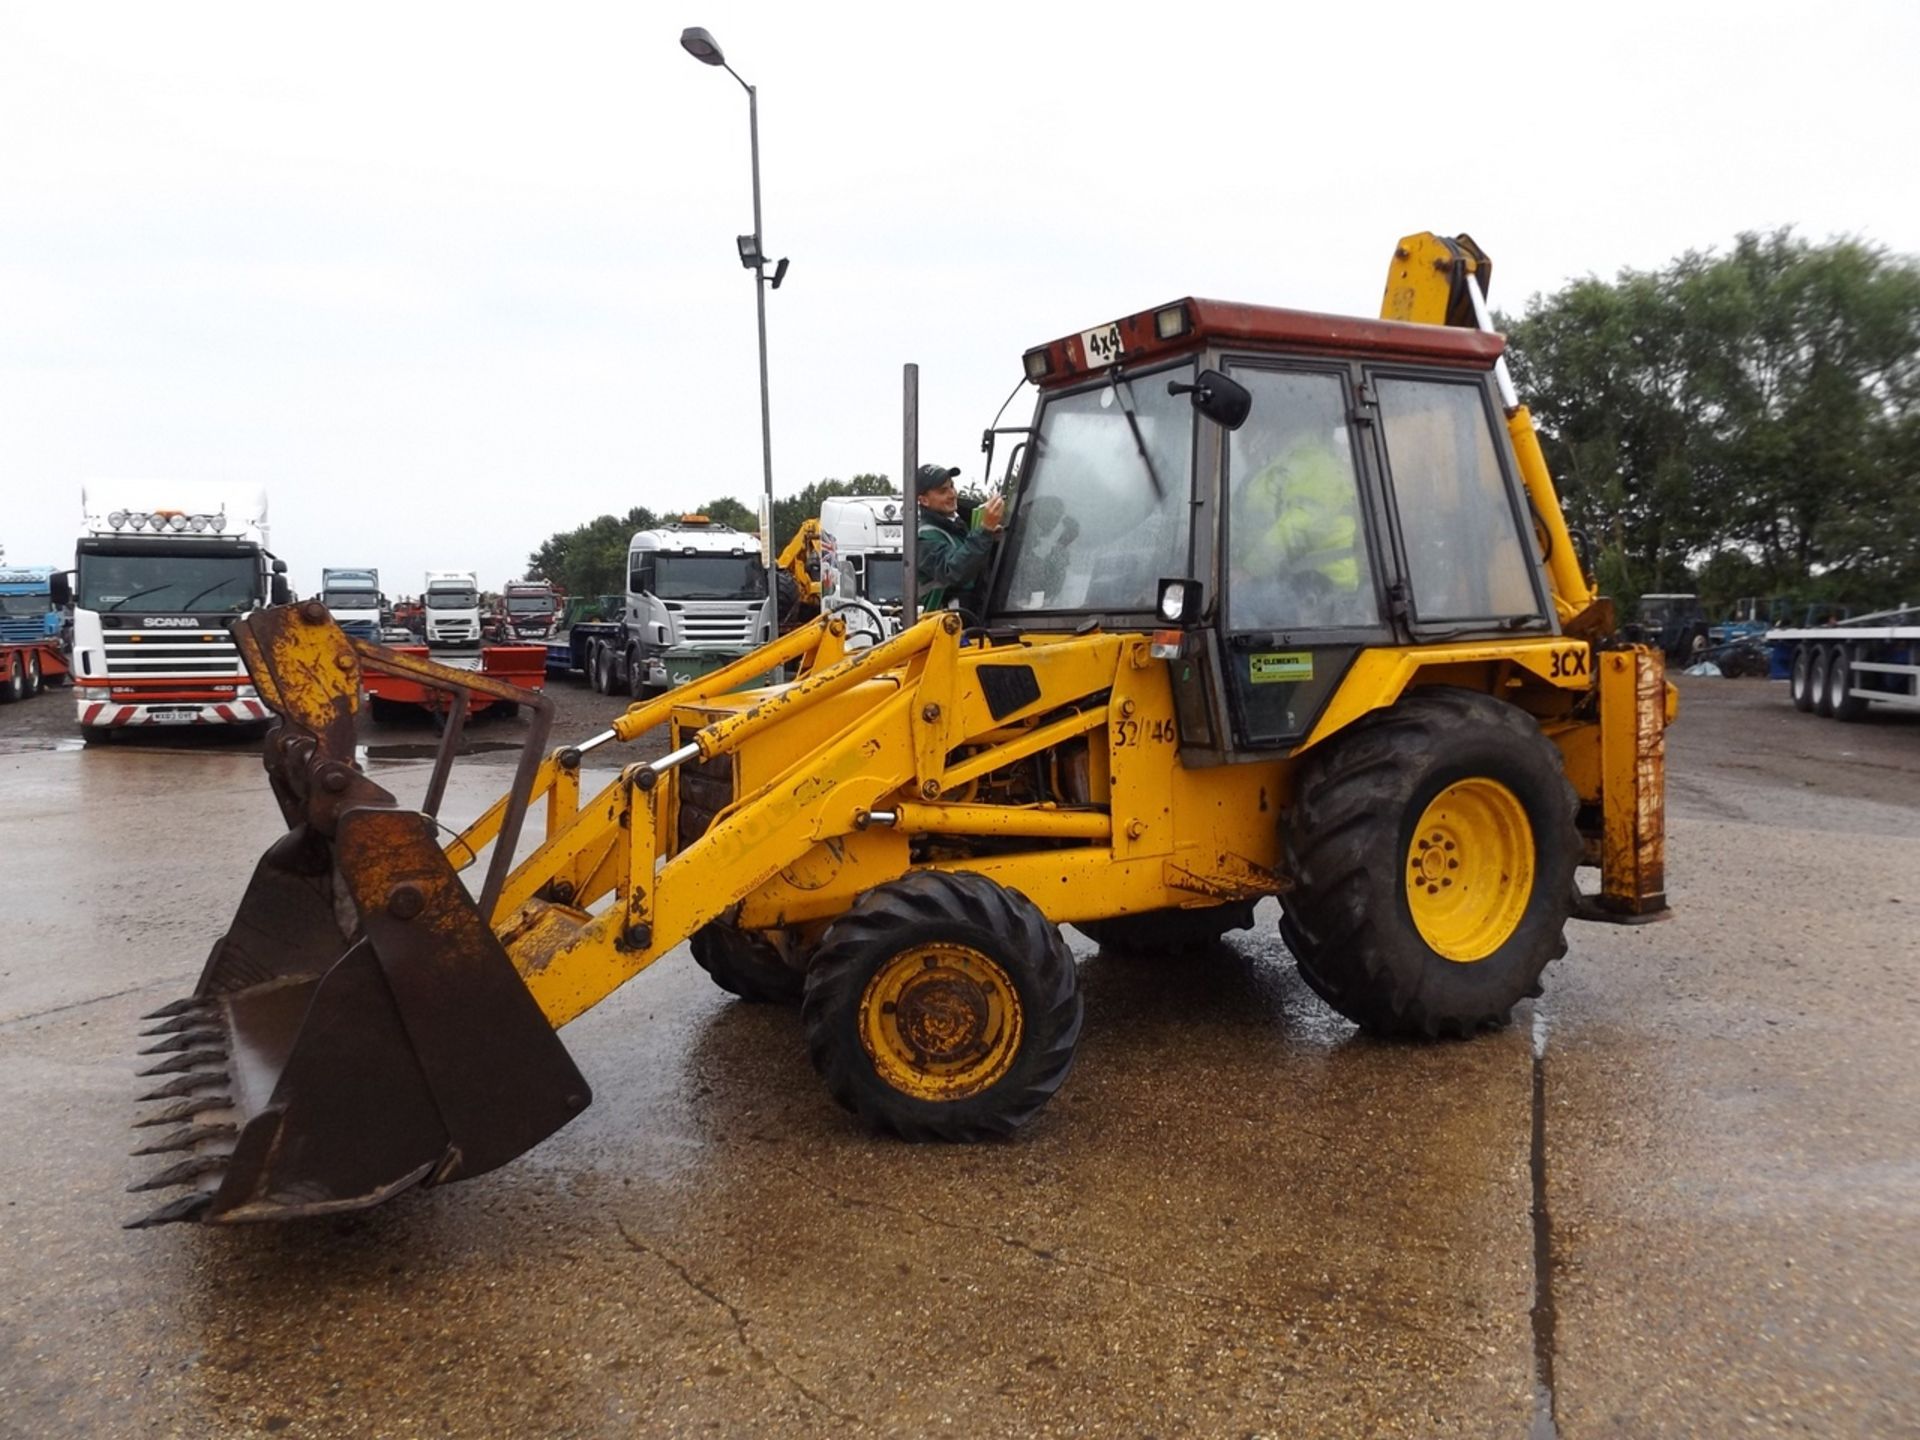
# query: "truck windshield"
{"points": [[227, 583], [451, 599], [351, 600], [25, 604], [709, 577], [529, 604], [1099, 522], [886, 579]]}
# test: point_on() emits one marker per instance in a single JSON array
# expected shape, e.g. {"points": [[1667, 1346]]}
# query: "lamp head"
{"points": [[702, 46]]}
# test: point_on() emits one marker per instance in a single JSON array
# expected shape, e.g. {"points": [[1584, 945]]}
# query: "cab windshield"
{"points": [[1104, 507], [452, 599], [351, 600], [182, 583], [25, 604], [529, 604], [709, 577]]}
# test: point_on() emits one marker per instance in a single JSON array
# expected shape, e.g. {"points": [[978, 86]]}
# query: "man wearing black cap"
{"points": [[953, 559]]}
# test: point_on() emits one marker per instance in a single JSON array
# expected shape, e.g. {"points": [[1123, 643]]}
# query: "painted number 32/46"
{"points": [[1142, 732]]}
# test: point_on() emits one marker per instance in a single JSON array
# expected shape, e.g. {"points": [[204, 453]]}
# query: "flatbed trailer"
{"points": [[391, 697], [26, 666], [1840, 670]]}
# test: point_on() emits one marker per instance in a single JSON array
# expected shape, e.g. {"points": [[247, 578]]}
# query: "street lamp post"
{"points": [[704, 48]]}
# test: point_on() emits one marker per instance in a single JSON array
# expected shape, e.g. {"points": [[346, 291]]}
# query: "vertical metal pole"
{"points": [[760, 299], [910, 510]]}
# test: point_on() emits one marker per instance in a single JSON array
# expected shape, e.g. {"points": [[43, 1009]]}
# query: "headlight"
{"points": [[118, 519], [176, 522], [197, 524], [219, 523]]}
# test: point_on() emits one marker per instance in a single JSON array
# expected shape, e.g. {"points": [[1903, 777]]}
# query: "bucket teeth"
{"points": [[179, 1007], [186, 1060], [187, 1084], [186, 1207], [185, 1040], [174, 1024], [183, 1110], [188, 1169], [187, 1138]]}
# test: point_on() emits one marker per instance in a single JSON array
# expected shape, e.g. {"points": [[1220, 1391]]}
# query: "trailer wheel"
{"points": [[1822, 686], [33, 674], [943, 1006], [600, 672], [1845, 705], [1800, 681], [746, 964], [1432, 850], [1179, 932], [16, 686]]}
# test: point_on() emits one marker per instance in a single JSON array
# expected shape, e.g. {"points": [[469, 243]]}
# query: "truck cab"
{"points": [[452, 603], [696, 587], [861, 553], [530, 607], [353, 595], [161, 570]]}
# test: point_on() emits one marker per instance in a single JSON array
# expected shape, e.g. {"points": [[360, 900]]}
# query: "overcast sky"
{"points": [[447, 279]]}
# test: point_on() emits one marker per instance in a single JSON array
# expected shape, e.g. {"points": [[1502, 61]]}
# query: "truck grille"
{"points": [[130, 653], [699, 627], [22, 629]]}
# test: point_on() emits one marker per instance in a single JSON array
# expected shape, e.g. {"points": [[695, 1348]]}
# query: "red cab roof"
{"points": [[1182, 325]]}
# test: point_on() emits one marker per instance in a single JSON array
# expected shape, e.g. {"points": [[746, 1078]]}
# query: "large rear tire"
{"points": [[747, 965], [1178, 932], [943, 1006], [1432, 850]]}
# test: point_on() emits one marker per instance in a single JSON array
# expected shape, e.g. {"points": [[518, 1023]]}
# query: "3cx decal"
{"points": [[1568, 663]]}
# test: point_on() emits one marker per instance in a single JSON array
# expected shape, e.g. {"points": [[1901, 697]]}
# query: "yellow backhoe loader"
{"points": [[1317, 631]]}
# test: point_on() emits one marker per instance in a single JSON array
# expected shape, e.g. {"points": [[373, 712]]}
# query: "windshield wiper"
{"points": [[217, 585], [138, 593], [1139, 440]]}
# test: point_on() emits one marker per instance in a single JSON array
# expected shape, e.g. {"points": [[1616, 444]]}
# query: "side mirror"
{"points": [[61, 590], [281, 591], [1225, 402], [279, 567]]}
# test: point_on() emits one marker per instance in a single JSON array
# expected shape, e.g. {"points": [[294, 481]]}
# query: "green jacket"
{"points": [[952, 561]]}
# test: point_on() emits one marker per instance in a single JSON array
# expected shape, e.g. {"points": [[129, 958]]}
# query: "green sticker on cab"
{"points": [[1287, 667]]}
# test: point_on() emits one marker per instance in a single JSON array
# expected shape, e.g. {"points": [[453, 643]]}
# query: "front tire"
{"points": [[943, 1006], [747, 965], [1432, 850]]}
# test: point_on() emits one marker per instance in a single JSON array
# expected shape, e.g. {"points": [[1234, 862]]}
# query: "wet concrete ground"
{"points": [[1678, 1197]]}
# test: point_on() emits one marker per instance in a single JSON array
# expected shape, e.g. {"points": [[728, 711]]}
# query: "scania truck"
{"points": [[353, 595], [160, 570], [452, 600]]}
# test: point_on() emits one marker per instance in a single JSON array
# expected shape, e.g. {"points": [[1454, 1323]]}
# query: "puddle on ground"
{"points": [[426, 750]]}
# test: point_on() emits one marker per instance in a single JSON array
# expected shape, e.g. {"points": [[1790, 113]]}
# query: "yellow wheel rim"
{"points": [[1470, 869], [940, 1022]]}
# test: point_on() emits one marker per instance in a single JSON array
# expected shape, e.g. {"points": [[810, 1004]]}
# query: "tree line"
{"points": [[1737, 423]]}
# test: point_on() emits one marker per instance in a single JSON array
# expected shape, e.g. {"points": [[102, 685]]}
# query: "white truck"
{"points": [[862, 558], [697, 596], [160, 570], [353, 595], [452, 602]]}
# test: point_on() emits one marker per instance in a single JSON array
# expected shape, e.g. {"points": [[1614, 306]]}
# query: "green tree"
{"points": [[1743, 423], [590, 559]]}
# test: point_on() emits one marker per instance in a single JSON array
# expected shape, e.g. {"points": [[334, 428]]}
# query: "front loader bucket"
{"points": [[358, 1029]]}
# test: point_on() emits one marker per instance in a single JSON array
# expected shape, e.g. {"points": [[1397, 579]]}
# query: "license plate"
{"points": [[1101, 347], [181, 716], [889, 533]]}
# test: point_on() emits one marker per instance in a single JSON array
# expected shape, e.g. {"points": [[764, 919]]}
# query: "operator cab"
{"points": [[1367, 496]]}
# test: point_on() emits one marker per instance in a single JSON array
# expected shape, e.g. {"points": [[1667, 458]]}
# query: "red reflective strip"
{"points": [[125, 717], [93, 712]]}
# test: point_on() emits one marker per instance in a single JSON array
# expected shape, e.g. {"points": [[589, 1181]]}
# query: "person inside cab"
{"points": [[954, 557]]}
